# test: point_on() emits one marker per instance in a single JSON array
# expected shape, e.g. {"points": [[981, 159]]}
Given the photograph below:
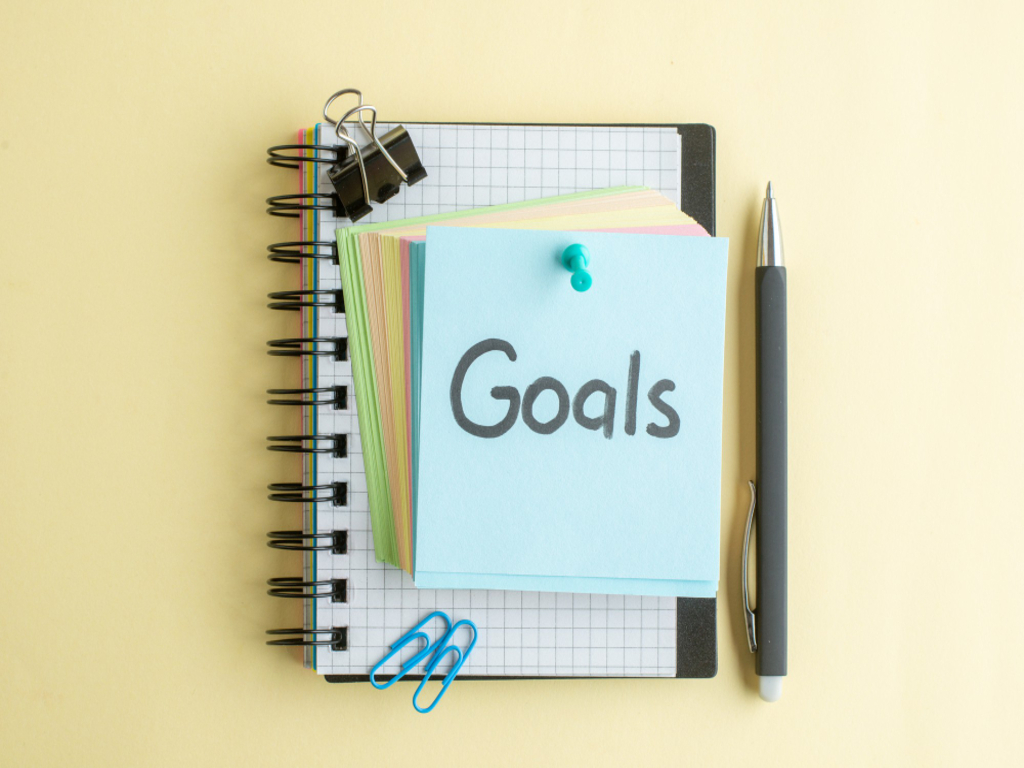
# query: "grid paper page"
{"points": [[520, 633]]}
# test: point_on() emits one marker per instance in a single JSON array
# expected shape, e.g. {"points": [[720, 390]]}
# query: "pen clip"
{"points": [[747, 613]]}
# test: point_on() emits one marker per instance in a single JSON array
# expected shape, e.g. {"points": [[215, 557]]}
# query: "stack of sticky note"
{"points": [[520, 434]]}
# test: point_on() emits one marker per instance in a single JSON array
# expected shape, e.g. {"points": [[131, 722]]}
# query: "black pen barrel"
{"points": [[770, 290]]}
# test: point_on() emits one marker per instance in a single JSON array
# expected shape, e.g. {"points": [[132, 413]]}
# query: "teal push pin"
{"points": [[576, 259]]}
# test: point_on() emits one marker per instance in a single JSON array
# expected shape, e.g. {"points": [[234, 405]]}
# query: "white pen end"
{"points": [[771, 687]]}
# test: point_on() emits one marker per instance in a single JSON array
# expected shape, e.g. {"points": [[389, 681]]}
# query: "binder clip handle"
{"points": [[334, 97], [372, 132], [342, 133]]}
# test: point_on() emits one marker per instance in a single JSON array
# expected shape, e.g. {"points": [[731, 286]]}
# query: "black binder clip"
{"points": [[374, 173]]}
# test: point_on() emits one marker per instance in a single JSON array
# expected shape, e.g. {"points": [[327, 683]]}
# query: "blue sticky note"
{"points": [[570, 441]]}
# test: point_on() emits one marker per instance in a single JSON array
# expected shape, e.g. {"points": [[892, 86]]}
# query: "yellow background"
{"points": [[132, 367]]}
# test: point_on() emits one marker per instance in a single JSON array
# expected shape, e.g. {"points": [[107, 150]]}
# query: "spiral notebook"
{"points": [[355, 606]]}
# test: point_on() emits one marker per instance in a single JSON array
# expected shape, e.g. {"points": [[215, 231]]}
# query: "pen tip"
{"points": [[768, 192]]}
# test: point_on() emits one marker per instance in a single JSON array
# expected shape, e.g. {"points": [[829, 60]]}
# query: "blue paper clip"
{"points": [[444, 650], [413, 634]]}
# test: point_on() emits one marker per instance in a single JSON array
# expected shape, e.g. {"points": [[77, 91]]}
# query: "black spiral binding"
{"points": [[335, 637], [335, 445], [295, 251], [336, 493], [335, 542], [314, 346], [289, 586], [336, 397], [296, 300], [291, 206], [292, 155]]}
